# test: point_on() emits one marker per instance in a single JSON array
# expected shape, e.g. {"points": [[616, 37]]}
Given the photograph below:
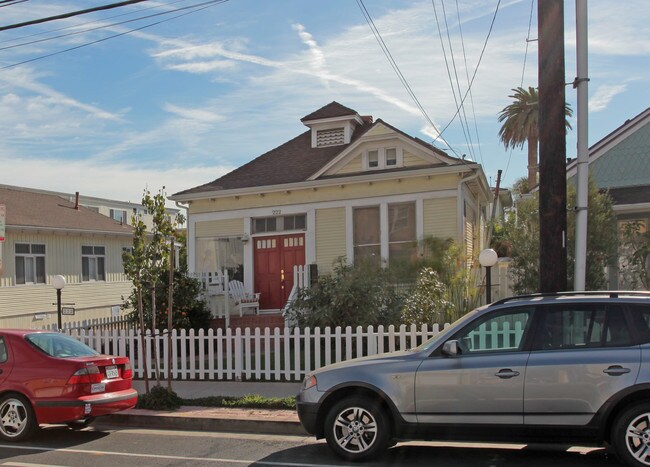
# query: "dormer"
{"points": [[332, 125]]}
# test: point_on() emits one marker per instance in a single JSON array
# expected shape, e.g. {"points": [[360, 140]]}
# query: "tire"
{"points": [[17, 418], [80, 424], [631, 435], [357, 429]]}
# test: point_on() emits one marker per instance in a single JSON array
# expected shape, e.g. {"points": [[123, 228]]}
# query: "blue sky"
{"points": [[186, 101]]}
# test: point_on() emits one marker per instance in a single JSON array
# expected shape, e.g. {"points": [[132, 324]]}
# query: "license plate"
{"points": [[111, 372]]}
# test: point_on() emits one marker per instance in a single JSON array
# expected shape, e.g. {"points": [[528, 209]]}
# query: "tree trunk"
{"points": [[154, 331], [143, 346]]}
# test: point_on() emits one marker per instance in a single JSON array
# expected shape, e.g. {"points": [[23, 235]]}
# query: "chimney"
{"points": [[76, 200]]}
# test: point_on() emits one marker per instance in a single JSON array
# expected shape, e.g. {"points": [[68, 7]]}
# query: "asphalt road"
{"points": [[104, 445]]}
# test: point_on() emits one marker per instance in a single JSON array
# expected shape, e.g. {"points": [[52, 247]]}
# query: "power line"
{"points": [[478, 64], [70, 14], [444, 53], [104, 26], [471, 97], [74, 26], [10, 2], [207, 5], [395, 67], [523, 71]]}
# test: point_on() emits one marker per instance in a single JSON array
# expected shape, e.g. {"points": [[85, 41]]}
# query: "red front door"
{"points": [[274, 260]]}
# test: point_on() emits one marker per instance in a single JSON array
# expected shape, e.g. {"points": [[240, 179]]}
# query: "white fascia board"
{"points": [[641, 208], [370, 177], [58, 230]]}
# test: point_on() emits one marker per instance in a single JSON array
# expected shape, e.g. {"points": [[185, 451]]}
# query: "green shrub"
{"points": [[429, 302], [251, 401], [159, 398]]}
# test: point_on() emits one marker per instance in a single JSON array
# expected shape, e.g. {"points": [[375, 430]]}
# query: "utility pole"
{"points": [[552, 147], [582, 176]]}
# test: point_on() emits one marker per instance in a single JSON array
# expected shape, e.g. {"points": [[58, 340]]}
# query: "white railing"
{"points": [[96, 324], [301, 280], [270, 355]]}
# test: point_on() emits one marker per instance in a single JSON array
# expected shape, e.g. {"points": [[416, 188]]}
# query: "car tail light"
{"points": [[88, 375], [127, 371]]}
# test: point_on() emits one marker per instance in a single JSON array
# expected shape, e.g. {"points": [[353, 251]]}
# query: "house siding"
{"points": [[220, 228], [411, 160], [440, 218], [19, 304], [330, 237], [63, 255], [354, 166]]}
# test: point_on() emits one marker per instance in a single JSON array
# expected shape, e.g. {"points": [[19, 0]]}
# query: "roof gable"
{"points": [[331, 110]]}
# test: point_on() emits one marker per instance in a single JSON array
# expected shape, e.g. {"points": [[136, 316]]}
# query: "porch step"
{"points": [[270, 320]]}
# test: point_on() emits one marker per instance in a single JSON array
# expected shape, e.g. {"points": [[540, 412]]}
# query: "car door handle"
{"points": [[616, 370], [507, 373]]}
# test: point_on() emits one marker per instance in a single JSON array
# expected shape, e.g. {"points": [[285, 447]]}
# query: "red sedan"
{"points": [[48, 377]]}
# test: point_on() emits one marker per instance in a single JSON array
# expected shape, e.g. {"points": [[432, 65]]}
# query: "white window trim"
{"points": [[33, 256], [93, 259], [399, 156]]}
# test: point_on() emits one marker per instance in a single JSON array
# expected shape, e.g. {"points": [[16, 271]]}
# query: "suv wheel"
{"points": [[357, 429], [631, 435]]}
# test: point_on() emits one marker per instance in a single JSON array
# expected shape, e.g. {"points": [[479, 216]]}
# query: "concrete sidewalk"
{"points": [[279, 422]]}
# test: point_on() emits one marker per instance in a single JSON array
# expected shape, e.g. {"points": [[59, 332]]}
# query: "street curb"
{"points": [[269, 427]]}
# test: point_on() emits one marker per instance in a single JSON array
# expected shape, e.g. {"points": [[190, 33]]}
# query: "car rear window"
{"points": [[59, 345]]}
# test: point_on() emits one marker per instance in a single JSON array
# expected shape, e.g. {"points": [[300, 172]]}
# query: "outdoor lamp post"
{"points": [[488, 258], [58, 282]]}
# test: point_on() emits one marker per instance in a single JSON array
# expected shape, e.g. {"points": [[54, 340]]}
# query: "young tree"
{"points": [[148, 261], [635, 246]]}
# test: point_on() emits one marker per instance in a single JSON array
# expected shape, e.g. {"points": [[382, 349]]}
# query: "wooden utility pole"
{"points": [[552, 147]]}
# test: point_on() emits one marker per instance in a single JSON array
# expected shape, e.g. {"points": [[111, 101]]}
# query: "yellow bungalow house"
{"points": [[46, 235], [349, 186]]}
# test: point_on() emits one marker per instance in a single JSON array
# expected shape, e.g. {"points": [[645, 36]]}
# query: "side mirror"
{"points": [[451, 348]]}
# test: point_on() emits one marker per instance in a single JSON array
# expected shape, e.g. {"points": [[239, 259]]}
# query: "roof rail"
{"points": [[611, 293]]}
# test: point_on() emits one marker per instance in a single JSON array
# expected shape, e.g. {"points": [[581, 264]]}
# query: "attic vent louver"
{"points": [[331, 137]]}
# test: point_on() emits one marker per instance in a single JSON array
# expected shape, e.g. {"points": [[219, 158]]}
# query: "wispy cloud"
{"points": [[200, 115], [603, 96]]}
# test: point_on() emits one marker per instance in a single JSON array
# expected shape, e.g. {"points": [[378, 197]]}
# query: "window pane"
{"points": [[569, 328], [366, 226], [85, 269], [301, 222], [29, 269], [271, 224], [401, 222], [259, 225], [289, 222], [86, 250], [504, 331], [20, 270], [402, 252], [373, 158], [370, 254], [40, 269], [99, 250], [101, 276], [38, 249], [22, 248], [391, 156]]}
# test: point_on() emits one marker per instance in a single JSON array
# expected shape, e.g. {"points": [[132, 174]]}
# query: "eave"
{"points": [[330, 182]]}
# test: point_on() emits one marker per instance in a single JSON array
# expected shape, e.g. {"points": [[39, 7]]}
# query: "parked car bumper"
{"points": [[60, 411]]}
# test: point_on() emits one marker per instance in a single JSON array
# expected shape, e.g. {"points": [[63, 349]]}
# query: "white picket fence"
{"points": [[269, 355]]}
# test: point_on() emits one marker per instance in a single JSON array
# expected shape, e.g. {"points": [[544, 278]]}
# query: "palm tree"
{"points": [[520, 125]]}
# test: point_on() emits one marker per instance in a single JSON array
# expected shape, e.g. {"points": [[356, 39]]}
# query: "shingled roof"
{"points": [[296, 160], [27, 208], [331, 110]]}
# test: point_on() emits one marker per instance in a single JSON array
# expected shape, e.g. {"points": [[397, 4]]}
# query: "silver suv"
{"points": [[569, 367]]}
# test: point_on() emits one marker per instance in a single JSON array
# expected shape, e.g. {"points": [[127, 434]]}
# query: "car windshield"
{"points": [[59, 345]]}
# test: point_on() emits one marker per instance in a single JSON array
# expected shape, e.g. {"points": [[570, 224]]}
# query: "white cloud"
{"points": [[603, 96], [200, 115]]}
